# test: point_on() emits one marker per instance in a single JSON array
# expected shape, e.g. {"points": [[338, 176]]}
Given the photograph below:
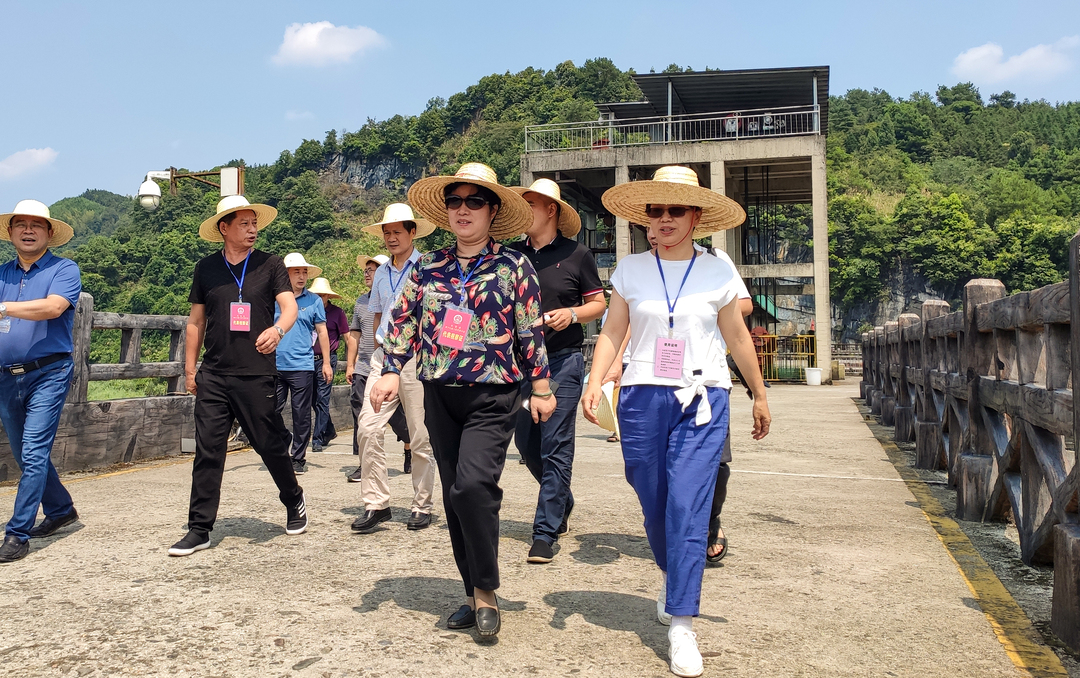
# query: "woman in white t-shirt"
{"points": [[681, 309]]}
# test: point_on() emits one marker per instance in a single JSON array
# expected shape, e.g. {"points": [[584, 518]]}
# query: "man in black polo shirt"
{"points": [[232, 309], [571, 293]]}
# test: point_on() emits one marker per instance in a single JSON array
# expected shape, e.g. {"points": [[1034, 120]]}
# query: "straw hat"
{"points": [[296, 260], [234, 203], [399, 211], [674, 185], [61, 232], [363, 260], [322, 286], [569, 220], [514, 216]]}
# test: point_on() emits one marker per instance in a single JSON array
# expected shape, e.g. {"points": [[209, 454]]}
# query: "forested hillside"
{"points": [[926, 192]]}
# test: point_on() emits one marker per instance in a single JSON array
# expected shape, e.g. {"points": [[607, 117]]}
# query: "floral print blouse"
{"points": [[504, 343]]}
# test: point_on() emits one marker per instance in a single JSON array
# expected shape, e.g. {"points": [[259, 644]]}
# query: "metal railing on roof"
{"points": [[719, 126]]}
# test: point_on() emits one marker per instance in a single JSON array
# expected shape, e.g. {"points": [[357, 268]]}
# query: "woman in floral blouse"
{"points": [[471, 313]]}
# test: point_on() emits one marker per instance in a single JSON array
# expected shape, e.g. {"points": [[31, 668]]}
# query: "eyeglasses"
{"points": [[676, 211], [473, 202]]}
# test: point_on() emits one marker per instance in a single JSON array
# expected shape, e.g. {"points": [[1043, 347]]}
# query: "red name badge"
{"points": [[455, 327], [669, 358], [240, 316]]}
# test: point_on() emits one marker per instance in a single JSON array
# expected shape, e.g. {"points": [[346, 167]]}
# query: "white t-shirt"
{"points": [[712, 284]]}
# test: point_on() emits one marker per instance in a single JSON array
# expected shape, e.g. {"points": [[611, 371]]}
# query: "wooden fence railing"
{"points": [[986, 394]]}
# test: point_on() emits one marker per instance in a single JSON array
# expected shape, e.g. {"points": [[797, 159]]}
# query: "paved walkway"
{"points": [[833, 571]]}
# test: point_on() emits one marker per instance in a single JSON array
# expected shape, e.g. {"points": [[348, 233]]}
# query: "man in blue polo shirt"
{"points": [[296, 358], [38, 294]]}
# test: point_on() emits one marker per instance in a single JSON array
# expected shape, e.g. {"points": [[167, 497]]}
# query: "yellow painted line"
{"points": [[1011, 625], [148, 467]]}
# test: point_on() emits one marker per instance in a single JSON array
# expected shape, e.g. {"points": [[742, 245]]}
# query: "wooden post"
{"points": [[177, 345], [131, 346], [928, 443], [1065, 609], [888, 396], [904, 414], [80, 338]]}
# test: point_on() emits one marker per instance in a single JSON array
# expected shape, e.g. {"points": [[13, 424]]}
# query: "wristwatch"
{"points": [[573, 316], [3, 310], [280, 332]]}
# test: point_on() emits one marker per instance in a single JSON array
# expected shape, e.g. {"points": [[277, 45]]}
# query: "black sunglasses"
{"points": [[676, 211], [473, 202]]}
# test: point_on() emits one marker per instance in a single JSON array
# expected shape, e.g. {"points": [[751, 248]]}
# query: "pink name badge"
{"points": [[455, 327], [240, 316], [669, 358]]}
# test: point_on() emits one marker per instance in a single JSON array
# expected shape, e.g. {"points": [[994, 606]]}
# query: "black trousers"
{"points": [[299, 388], [251, 401], [470, 428], [398, 423], [324, 431]]}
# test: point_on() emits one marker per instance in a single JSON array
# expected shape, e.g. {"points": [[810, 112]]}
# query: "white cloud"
{"points": [[298, 115], [322, 43], [26, 162], [986, 63]]}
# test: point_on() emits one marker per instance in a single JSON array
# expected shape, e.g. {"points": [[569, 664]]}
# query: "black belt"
{"points": [[23, 368]]}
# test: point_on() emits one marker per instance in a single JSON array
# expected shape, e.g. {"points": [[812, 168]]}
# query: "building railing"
{"points": [[718, 126], [986, 393]]}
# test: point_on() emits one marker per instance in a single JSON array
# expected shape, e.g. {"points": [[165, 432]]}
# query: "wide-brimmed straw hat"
{"points": [[569, 220], [296, 260], [399, 211], [61, 232], [322, 286], [514, 216], [674, 185], [234, 203], [362, 260]]}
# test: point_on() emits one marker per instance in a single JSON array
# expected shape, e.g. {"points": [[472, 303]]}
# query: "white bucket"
{"points": [[813, 376]]}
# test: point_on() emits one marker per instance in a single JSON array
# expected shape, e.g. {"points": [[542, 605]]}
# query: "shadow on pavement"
{"points": [[615, 611], [40, 543], [256, 531], [516, 529], [604, 548], [436, 596]]}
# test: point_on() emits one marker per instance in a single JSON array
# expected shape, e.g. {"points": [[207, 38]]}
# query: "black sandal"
{"points": [[714, 529]]}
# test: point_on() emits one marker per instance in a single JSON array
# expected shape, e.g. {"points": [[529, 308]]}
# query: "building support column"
{"points": [[717, 182], [622, 226], [822, 305]]}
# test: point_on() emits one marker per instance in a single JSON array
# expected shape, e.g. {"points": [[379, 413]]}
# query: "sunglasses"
{"points": [[676, 211], [473, 202]]}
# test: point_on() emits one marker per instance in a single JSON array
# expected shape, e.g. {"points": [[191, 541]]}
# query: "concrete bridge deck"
{"points": [[834, 570]]}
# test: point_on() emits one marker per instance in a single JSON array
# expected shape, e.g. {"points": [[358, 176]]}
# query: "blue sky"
{"points": [[100, 93]]}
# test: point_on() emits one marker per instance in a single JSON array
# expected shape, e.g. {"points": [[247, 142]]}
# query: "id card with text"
{"points": [[240, 316], [455, 327], [670, 354]]}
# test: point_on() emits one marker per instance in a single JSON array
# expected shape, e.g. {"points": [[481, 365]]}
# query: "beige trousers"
{"points": [[371, 427]]}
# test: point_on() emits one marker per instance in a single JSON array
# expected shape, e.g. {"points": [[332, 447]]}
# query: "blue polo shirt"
{"points": [[294, 353], [32, 339]]}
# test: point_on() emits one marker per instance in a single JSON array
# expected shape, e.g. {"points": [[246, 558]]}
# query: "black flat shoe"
{"points": [[464, 618], [13, 549], [370, 519], [418, 521], [488, 621], [50, 525]]}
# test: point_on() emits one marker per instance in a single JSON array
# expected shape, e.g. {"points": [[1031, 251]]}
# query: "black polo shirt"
{"points": [[567, 271], [234, 353]]}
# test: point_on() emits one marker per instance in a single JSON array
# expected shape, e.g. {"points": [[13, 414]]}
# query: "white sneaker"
{"points": [[661, 602], [683, 651]]}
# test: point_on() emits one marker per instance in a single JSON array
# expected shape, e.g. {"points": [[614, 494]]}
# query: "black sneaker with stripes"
{"points": [[297, 521]]}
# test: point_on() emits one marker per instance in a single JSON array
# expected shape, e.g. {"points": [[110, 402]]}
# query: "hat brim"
{"points": [[513, 218], [312, 271], [264, 215], [424, 228], [363, 260], [328, 292], [569, 219], [718, 212], [61, 232]]}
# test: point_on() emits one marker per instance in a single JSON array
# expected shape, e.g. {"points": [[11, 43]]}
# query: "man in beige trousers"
{"points": [[398, 229]]}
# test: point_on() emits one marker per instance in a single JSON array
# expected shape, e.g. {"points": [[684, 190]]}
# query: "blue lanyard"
{"points": [[240, 280], [390, 272], [670, 303], [465, 278]]}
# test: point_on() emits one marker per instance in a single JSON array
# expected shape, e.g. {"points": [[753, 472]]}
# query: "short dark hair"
{"points": [[410, 226], [227, 220], [483, 191]]}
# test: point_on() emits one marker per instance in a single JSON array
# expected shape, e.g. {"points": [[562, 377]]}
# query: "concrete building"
{"points": [[757, 136]]}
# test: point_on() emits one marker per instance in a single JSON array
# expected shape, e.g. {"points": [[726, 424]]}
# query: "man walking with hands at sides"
{"points": [[398, 228], [38, 294], [232, 311], [296, 358], [570, 293], [337, 330]]}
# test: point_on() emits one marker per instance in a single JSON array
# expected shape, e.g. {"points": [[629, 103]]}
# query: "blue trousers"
{"points": [[548, 447], [325, 431], [672, 465], [30, 406]]}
